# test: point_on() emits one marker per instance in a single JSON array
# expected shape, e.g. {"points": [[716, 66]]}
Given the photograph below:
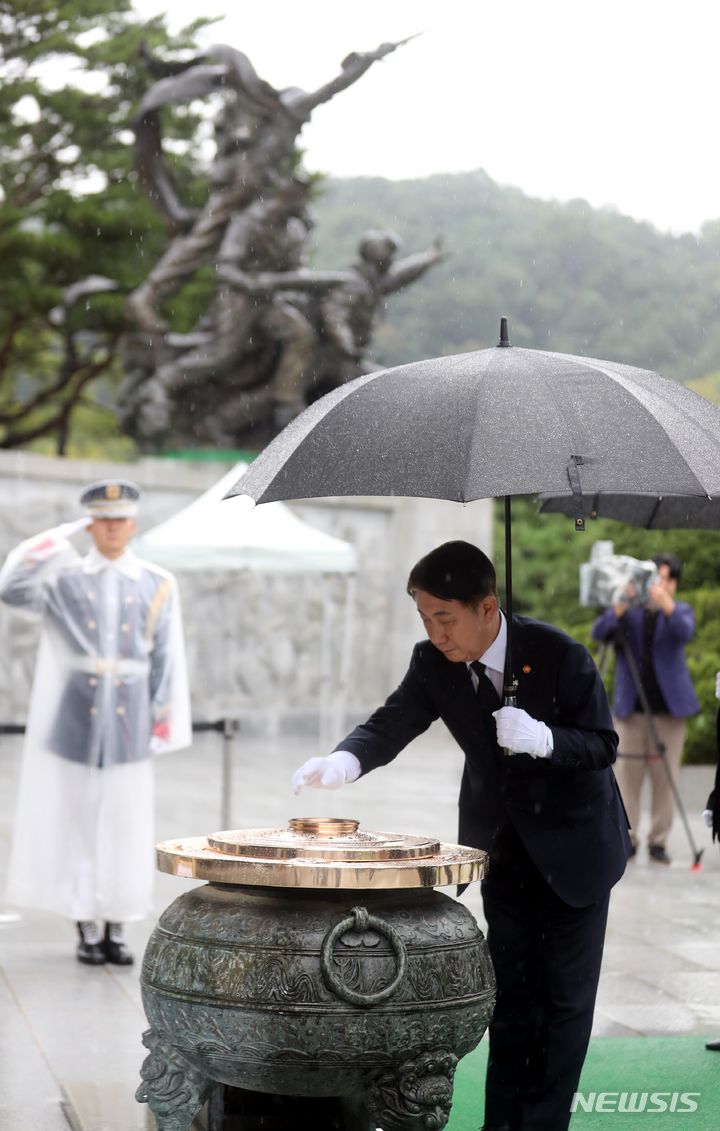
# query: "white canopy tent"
{"points": [[217, 535], [213, 533]]}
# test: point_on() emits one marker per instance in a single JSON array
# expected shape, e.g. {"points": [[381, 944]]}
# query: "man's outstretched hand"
{"points": [[331, 772]]}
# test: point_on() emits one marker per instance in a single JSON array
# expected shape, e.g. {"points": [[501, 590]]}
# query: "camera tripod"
{"points": [[622, 645]]}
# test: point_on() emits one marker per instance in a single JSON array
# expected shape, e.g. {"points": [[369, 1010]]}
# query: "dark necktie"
{"points": [[486, 693], [488, 701]]}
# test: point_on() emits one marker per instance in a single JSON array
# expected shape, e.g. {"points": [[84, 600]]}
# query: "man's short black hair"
{"points": [[672, 561], [455, 571]]}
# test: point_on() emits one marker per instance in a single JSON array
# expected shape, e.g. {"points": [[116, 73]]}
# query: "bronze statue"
{"points": [[275, 334], [339, 307], [256, 135]]}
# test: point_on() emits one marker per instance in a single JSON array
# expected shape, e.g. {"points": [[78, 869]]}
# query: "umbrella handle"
{"points": [[509, 700]]}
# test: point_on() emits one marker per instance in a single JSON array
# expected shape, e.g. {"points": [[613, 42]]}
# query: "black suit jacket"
{"points": [[713, 801], [566, 809]]}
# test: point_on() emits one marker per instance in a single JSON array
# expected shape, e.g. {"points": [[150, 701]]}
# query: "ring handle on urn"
{"points": [[360, 920]]}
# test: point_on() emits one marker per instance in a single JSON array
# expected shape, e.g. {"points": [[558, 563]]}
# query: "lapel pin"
{"points": [[526, 669]]}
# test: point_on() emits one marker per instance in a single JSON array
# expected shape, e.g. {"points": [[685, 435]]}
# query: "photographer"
{"points": [[656, 635]]}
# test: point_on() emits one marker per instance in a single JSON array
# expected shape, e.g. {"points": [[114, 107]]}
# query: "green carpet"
{"points": [[620, 1065]]}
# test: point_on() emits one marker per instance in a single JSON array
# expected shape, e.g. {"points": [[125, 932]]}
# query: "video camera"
{"points": [[612, 579]]}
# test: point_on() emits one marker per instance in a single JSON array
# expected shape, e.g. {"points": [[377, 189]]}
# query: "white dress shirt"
{"points": [[494, 660]]}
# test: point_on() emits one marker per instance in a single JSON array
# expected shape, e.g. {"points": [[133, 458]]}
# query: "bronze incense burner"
{"points": [[317, 961]]}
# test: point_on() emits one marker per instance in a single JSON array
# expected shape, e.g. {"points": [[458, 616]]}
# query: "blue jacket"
{"points": [[668, 653]]}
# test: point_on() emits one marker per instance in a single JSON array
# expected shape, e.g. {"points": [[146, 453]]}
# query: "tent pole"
{"points": [[345, 655], [325, 705]]}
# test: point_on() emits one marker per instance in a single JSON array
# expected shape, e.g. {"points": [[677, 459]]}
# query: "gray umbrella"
{"points": [[653, 512], [497, 422]]}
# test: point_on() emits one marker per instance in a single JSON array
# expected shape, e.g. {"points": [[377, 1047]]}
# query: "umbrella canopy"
{"points": [[652, 512], [212, 535], [499, 421], [496, 422]]}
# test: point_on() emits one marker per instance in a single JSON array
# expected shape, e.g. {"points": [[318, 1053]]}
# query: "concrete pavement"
{"points": [[70, 1050]]}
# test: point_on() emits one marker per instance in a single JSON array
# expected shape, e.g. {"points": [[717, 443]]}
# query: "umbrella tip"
{"points": [[504, 337]]}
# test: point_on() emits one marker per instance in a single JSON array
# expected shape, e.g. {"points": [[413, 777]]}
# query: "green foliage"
{"points": [[708, 387], [69, 204], [547, 553], [569, 277]]}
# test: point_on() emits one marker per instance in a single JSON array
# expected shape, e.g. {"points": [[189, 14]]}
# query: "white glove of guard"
{"points": [[50, 541], [708, 818], [67, 529], [521, 734], [717, 686], [337, 769]]}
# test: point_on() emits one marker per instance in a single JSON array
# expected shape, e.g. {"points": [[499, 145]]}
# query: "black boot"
{"points": [[90, 949], [114, 947]]}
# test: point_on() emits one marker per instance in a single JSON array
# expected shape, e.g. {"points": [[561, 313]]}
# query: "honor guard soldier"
{"points": [[110, 690]]}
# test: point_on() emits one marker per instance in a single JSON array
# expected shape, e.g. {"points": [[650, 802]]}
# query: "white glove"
{"points": [[51, 541], [717, 686], [708, 818], [337, 769], [67, 529], [521, 734]]}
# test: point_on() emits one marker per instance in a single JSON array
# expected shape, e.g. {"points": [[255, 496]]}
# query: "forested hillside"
{"points": [[569, 277]]}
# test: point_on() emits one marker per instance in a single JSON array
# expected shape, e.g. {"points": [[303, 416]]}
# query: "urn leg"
{"points": [[415, 1095], [172, 1088], [235, 1109], [355, 1114]]}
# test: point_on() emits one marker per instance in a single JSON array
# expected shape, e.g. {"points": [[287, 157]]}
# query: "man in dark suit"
{"points": [[546, 808], [712, 813]]}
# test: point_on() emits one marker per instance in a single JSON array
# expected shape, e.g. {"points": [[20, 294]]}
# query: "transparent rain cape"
{"points": [[110, 688]]}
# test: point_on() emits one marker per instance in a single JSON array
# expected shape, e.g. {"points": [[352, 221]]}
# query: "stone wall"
{"points": [[278, 651]]}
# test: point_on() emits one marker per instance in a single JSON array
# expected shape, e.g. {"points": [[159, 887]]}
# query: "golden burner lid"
{"points": [[321, 852], [327, 838]]}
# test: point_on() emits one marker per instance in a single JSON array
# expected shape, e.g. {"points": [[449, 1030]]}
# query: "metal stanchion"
{"points": [[10, 728], [228, 728]]}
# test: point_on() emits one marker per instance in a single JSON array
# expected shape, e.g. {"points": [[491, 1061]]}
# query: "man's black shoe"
{"points": [[658, 854], [113, 946], [714, 1046], [90, 949]]}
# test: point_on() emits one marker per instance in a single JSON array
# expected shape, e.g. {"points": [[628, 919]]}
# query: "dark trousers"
{"points": [[547, 959]]}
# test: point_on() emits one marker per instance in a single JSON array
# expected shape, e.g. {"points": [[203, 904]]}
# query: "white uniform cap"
{"points": [[110, 498]]}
